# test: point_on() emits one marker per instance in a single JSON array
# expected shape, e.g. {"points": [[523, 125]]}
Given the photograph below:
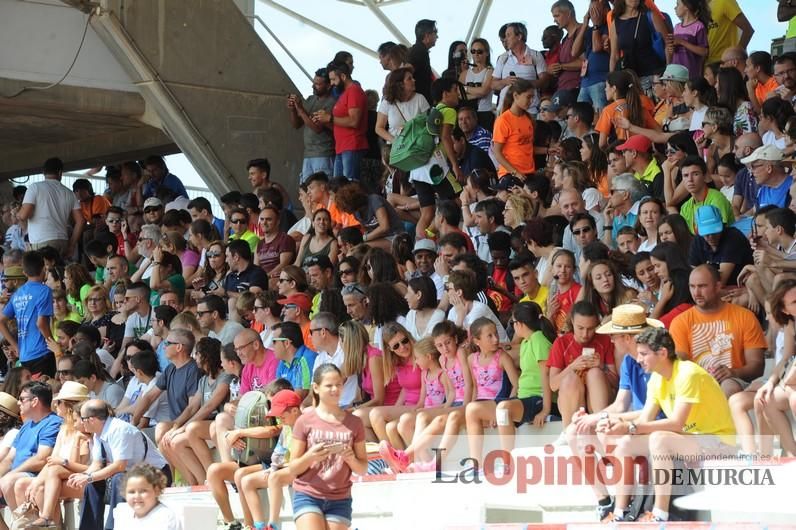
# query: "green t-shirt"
{"points": [[715, 198], [77, 305], [248, 236], [177, 282], [533, 350]]}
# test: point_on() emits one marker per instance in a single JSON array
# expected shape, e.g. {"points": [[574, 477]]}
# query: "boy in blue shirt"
{"points": [[32, 307]]}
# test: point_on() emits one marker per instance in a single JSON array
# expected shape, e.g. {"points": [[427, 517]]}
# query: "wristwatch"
{"points": [[90, 477], [65, 462], [631, 428], [603, 415]]}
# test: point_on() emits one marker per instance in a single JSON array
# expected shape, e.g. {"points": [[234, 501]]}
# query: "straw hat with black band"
{"points": [[72, 391], [628, 319], [9, 405]]}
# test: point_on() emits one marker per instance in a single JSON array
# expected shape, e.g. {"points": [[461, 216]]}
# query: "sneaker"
{"points": [[234, 525], [615, 517], [423, 467], [650, 517], [605, 510], [395, 458]]}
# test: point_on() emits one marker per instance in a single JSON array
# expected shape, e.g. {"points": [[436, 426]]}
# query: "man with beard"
{"points": [[318, 139], [348, 120], [785, 74]]}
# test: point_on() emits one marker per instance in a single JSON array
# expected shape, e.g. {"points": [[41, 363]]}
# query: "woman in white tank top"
{"points": [[477, 81]]}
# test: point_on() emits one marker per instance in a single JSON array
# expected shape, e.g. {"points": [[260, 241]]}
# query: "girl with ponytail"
{"points": [[626, 102]]}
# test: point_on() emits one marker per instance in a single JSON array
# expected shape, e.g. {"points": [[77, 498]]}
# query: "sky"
{"points": [[314, 49]]}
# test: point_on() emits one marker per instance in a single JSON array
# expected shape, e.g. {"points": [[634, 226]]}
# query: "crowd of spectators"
{"points": [[606, 241]]}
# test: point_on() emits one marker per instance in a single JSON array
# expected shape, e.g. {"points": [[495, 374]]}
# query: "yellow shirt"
{"points": [[540, 298], [690, 383], [722, 32]]}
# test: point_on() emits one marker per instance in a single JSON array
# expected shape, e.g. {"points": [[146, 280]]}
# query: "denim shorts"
{"points": [[334, 511]]}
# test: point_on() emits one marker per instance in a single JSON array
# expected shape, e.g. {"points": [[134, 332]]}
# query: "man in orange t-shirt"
{"points": [[320, 197], [723, 338], [760, 72]]}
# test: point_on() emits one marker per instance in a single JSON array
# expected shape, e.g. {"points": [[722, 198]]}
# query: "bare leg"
{"points": [[54, 479], [239, 475], [393, 436], [276, 482], [198, 433], [426, 217], [250, 488], [216, 475], [508, 431], [406, 427], [779, 422], [381, 416], [170, 450], [571, 396], [181, 446], [363, 413], [224, 422], [478, 413], [598, 390], [740, 405]]}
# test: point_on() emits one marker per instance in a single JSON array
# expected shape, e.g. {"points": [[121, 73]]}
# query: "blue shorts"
{"points": [[334, 511]]}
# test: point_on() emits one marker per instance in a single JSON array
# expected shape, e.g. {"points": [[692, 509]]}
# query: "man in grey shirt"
{"points": [[212, 315], [318, 139]]}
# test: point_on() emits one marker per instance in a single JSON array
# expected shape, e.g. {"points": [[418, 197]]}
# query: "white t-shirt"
{"points": [[349, 394], [158, 411], [53, 205], [697, 117], [160, 517], [137, 325], [400, 112], [411, 323], [479, 310], [769, 138], [532, 66]]}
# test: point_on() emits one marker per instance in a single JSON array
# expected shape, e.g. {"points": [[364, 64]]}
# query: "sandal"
{"points": [[42, 522]]}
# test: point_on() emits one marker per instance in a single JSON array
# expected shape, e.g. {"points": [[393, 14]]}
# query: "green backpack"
{"points": [[415, 144], [253, 412]]}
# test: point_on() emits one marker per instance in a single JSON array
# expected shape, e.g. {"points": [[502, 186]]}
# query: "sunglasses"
{"points": [[64, 372], [477, 52], [281, 280], [238, 221], [213, 254], [403, 342], [345, 272], [151, 209], [707, 123], [584, 230]]}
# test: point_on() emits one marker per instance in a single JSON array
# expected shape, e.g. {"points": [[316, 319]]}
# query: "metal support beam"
{"points": [[376, 10], [323, 29], [479, 18], [281, 45]]}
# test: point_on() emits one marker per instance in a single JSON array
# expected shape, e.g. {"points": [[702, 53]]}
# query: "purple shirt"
{"points": [[567, 79], [694, 33]]}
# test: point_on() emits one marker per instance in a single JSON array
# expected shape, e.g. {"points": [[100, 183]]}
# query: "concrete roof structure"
{"points": [[112, 80]]}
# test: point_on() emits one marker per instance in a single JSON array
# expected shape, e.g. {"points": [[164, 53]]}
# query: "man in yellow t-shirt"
{"points": [[526, 280], [723, 31], [693, 403]]}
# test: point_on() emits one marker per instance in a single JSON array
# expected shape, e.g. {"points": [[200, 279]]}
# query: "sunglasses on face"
{"points": [[151, 209], [213, 254], [403, 342], [346, 272], [584, 230], [238, 221]]}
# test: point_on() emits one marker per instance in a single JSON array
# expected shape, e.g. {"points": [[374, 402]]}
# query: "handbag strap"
{"points": [[104, 453]]}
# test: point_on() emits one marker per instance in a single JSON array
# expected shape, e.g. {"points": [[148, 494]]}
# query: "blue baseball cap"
{"points": [[708, 220]]}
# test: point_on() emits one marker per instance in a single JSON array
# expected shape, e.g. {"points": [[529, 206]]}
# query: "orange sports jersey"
{"points": [[762, 89]]}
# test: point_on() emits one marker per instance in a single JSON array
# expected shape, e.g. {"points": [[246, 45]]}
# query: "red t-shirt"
{"points": [[131, 238], [329, 479], [565, 350], [268, 253], [346, 138], [565, 302]]}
